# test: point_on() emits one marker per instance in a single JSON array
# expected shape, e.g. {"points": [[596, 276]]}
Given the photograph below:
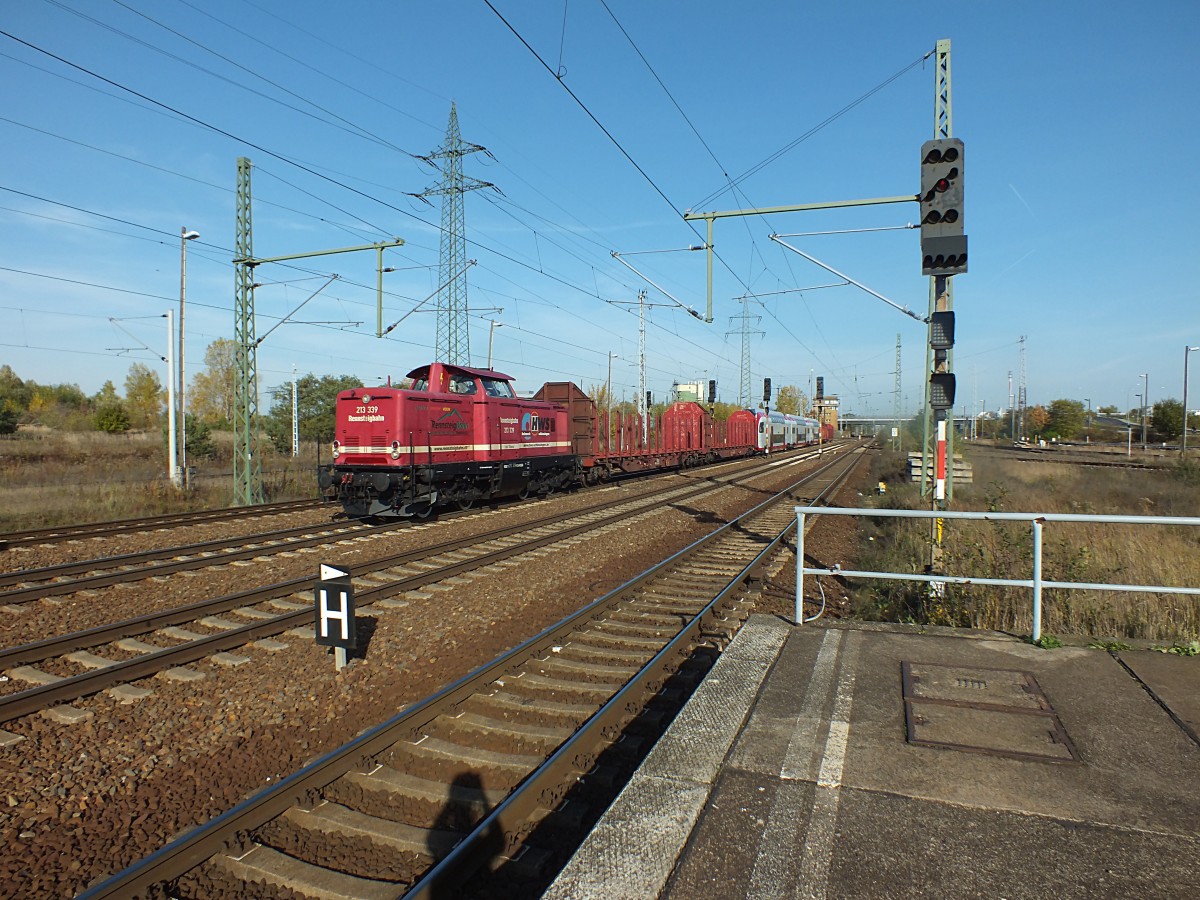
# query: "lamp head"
{"points": [[190, 235]]}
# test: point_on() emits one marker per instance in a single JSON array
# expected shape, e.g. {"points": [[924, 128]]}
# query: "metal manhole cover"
{"points": [[997, 711]]}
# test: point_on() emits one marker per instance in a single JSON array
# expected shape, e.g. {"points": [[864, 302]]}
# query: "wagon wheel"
{"points": [[465, 502], [422, 510], [523, 493]]}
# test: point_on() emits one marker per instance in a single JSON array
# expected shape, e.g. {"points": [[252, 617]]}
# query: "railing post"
{"points": [[1037, 580], [799, 620]]}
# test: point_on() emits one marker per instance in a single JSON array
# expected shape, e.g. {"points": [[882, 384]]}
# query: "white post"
{"points": [[173, 471], [799, 619], [295, 417], [184, 237], [1037, 580]]}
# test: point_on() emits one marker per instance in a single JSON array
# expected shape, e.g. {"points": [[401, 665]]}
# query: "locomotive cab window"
{"points": [[421, 384], [462, 384], [494, 387]]}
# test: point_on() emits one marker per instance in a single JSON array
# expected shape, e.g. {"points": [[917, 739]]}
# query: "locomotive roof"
{"points": [[450, 367]]}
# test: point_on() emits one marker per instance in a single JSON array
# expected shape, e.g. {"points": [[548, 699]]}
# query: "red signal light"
{"points": [[941, 185]]}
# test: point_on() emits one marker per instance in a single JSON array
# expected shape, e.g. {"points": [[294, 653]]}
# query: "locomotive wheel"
{"points": [[422, 511], [523, 494], [465, 503]]}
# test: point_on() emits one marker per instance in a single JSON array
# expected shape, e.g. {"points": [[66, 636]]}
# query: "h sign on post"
{"points": [[335, 625]]}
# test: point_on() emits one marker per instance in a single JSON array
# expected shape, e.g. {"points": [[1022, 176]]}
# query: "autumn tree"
{"points": [[212, 393], [1167, 419], [1036, 418], [791, 400], [15, 394], [1066, 419], [144, 396]]}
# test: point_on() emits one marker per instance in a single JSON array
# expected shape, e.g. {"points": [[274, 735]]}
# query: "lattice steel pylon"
{"points": [[247, 467], [453, 343], [744, 388], [896, 408]]}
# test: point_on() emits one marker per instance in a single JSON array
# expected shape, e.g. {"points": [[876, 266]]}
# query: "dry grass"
{"points": [[49, 478], [1087, 552]]}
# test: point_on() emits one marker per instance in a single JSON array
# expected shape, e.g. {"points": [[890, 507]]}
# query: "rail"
{"points": [[1036, 582]]}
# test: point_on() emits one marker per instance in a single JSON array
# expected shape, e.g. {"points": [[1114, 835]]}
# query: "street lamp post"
{"points": [[492, 331], [1186, 352], [1141, 412], [172, 455], [184, 237], [1145, 405]]}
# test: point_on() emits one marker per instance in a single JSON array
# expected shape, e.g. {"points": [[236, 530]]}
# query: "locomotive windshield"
{"points": [[494, 387]]}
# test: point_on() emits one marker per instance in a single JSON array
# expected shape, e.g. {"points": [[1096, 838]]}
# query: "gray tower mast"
{"points": [[744, 389], [896, 408], [453, 344]]}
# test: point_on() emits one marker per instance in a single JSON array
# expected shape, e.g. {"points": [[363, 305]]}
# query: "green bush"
{"points": [[111, 418]]}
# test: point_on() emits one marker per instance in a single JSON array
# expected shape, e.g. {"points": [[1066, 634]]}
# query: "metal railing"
{"points": [[1036, 582]]}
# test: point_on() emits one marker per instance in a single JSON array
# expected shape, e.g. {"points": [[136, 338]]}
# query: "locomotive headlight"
{"points": [[366, 398], [337, 449], [395, 449]]}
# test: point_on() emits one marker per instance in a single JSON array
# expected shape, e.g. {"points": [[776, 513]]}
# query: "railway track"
{"points": [[1069, 458], [27, 585], [84, 531], [134, 649], [477, 776]]}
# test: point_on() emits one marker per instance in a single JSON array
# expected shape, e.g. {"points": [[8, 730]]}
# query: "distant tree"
{"points": [[790, 399], [56, 405], [315, 402], [1036, 419], [111, 418], [14, 393], [8, 421], [199, 439], [599, 395], [1066, 419], [144, 396], [723, 410], [1107, 410], [106, 396], [1167, 419], [212, 393]]}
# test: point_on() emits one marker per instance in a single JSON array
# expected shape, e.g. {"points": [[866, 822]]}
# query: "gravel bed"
{"points": [[79, 801]]}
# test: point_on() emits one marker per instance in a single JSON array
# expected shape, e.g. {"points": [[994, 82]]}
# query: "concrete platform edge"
{"points": [[633, 849]]}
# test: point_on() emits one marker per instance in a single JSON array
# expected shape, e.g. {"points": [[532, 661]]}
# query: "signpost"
{"points": [[335, 624]]}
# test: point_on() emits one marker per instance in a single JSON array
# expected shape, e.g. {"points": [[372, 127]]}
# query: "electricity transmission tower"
{"points": [[744, 380], [453, 344]]}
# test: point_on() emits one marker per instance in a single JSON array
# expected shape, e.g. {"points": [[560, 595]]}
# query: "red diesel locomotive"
{"points": [[460, 435], [456, 436]]}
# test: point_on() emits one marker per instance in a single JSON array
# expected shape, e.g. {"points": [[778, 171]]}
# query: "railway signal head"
{"points": [[941, 330], [943, 242], [766, 390], [941, 390]]}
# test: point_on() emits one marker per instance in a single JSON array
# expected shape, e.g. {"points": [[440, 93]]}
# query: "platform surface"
{"points": [[859, 760]]}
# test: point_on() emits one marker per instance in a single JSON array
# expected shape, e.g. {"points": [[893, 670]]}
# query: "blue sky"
{"points": [[1080, 123]]}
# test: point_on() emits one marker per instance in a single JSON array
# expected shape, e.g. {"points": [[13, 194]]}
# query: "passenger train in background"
{"points": [[460, 435]]}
